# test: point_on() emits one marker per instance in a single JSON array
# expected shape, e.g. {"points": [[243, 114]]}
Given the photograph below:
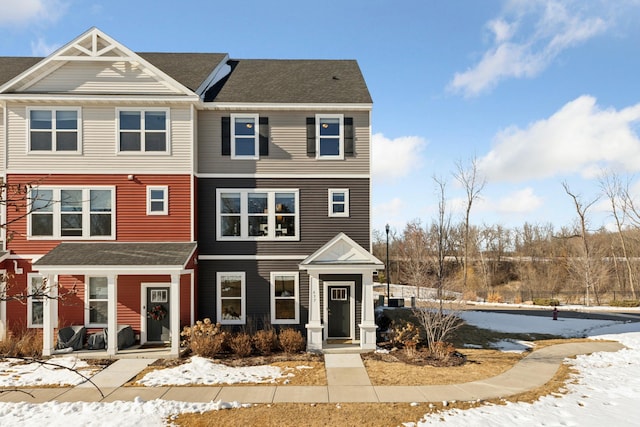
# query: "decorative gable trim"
{"points": [[93, 46], [341, 250]]}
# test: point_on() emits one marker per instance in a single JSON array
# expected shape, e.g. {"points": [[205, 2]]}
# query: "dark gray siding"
{"points": [[316, 227], [258, 273]]}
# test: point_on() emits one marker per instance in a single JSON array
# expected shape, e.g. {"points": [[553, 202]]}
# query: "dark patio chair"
{"points": [[71, 337]]}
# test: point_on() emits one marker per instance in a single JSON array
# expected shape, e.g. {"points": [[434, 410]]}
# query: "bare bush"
{"points": [[205, 338], [438, 324], [265, 341], [291, 341], [240, 344], [27, 343]]}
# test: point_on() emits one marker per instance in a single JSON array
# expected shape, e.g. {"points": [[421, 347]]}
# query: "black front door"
{"points": [[158, 314], [339, 311]]}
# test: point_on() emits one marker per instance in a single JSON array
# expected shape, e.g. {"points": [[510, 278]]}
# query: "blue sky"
{"points": [[539, 91]]}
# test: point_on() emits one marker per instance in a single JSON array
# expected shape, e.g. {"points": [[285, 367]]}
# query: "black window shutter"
{"points": [[311, 136], [348, 137], [226, 136], [264, 136]]}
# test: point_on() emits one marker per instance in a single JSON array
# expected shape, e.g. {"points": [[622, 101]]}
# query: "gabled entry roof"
{"points": [[341, 251], [75, 256]]}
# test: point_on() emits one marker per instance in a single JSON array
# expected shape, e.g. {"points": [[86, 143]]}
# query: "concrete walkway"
{"points": [[347, 381]]}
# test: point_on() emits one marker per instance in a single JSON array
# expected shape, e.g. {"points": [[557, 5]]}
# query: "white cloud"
{"points": [[395, 158], [24, 12], [522, 201], [579, 138], [391, 213], [527, 40], [41, 48]]}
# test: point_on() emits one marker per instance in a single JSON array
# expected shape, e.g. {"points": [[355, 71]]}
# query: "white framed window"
{"points": [[35, 301], [158, 200], [339, 202], [54, 130], [285, 294], [72, 213], [143, 131], [97, 302], [329, 136], [257, 214], [245, 136], [230, 302]]}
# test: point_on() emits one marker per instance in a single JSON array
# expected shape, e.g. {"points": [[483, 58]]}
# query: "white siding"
{"points": [[100, 78], [287, 147], [99, 146]]}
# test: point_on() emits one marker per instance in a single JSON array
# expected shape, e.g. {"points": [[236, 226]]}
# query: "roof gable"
{"points": [[95, 63], [341, 250]]}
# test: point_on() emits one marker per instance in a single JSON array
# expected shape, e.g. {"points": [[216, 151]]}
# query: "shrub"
{"points": [[291, 341], [204, 339], [625, 303], [27, 343], [265, 341], [406, 333], [240, 344], [442, 350], [494, 297], [552, 302]]}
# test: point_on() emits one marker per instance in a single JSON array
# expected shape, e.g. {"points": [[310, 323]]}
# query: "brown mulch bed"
{"points": [[420, 357]]}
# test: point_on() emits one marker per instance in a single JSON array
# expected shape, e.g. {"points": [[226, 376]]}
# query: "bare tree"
{"points": [[473, 184], [413, 251], [442, 228], [586, 266]]}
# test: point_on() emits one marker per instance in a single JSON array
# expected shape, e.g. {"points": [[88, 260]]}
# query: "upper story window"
{"points": [[330, 136], [157, 200], [245, 136], [143, 131], [54, 130], [339, 202], [72, 213], [257, 214]]}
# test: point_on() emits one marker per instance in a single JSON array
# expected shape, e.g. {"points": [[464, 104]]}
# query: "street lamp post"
{"points": [[386, 227]]}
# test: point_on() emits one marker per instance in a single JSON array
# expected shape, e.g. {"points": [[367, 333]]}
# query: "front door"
{"points": [[339, 311], [158, 314]]}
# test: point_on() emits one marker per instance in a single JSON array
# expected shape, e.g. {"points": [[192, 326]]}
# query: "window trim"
{"points": [[54, 131], [295, 298], [331, 212], [243, 297], [165, 199], [86, 214], [88, 300], [142, 151], [244, 214], [340, 155], [256, 136], [31, 300]]}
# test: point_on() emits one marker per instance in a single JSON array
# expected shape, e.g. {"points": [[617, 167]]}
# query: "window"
{"points": [[157, 200], [339, 202], [72, 213], [35, 300], [244, 136], [97, 301], [143, 131], [329, 142], [284, 298], [54, 130], [257, 214], [231, 298]]}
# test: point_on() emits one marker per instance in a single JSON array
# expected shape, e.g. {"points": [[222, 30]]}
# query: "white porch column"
{"points": [[50, 314], [314, 327], [112, 315], [368, 326], [174, 317]]}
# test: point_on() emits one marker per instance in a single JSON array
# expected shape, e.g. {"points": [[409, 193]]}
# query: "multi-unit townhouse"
{"points": [[161, 188]]}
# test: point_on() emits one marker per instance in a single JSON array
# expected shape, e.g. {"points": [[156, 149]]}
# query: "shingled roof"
{"points": [[11, 66], [292, 81]]}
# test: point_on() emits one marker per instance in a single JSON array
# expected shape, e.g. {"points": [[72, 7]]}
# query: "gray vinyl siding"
{"points": [[316, 227], [258, 299], [99, 144], [287, 146], [101, 77]]}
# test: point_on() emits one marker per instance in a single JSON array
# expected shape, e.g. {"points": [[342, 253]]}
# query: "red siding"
{"points": [[132, 222]]}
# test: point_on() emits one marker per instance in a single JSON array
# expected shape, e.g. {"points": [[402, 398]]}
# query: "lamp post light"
{"points": [[386, 227]]}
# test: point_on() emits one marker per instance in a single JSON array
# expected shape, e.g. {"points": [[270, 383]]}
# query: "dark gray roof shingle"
{"points": [[292, 81], [190, 69], [118, 254], [11, 66]]}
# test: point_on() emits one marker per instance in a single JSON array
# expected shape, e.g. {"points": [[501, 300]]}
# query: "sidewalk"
{"points": [[347, 381]]}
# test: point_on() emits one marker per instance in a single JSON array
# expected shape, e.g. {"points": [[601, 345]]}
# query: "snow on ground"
{"points": [[202, 371], [18, 373], [607, 388]]}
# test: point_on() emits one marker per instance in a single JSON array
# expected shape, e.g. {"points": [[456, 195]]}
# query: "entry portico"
{"points": [[340, 287]]}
